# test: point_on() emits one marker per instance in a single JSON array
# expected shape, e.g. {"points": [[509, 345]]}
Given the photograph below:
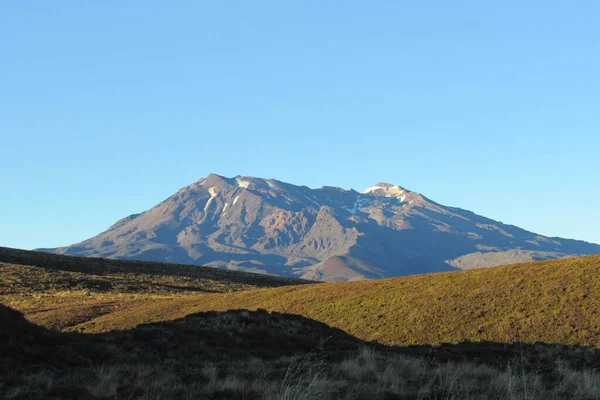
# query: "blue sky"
{"points": [[107, 108]]}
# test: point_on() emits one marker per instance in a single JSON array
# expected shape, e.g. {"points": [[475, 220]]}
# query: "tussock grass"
{"points": [[46, 272], [61, 291], [550, 301], [261, 355], [395, 377], [509, 332]]}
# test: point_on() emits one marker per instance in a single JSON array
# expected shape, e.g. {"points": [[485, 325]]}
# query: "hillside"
{"points": [[60, 291], [190, 277], [555, 301], [328, 234], [261, 355], [503, 332]]}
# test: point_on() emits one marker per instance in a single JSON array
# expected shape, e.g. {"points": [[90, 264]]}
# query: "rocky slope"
{"points": [[330, 234]]}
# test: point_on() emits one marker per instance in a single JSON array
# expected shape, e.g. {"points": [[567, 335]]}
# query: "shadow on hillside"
{"points": [[241, 334], [242, 354]]}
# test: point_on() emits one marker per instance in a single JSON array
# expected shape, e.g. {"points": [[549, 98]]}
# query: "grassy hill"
{"points": [[60, 291], [554, 301], [139, 276], [167, 331], [260, 355]]}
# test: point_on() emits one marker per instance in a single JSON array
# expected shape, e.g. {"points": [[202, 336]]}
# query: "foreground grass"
{"points": [[551, 301], [364, 374], [261, 355]]}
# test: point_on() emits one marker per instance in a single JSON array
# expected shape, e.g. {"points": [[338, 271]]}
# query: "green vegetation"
{"points": [[261, 355], [60, 291], [155, 331], [122, 276], [554, 301]]}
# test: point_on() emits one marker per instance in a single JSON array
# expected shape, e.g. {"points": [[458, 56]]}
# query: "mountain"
{"points": [[329, 234]]}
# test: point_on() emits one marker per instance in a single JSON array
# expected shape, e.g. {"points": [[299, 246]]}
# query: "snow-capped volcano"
{"points": [[269, 226]]}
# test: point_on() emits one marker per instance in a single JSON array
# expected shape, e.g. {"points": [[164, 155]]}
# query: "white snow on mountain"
{"points": [[213, 193], [386, 191], [241, 183]]}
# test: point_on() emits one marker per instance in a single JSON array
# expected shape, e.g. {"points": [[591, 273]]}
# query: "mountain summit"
{"points": [[330, 234]]}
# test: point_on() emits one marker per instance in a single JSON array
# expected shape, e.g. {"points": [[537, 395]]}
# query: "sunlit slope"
{"points": [[550, 301], [59, 272], [59, 291]]}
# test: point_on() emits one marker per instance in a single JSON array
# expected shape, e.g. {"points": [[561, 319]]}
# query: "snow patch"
{"points": [[372, 189], [352, 210], [359, 204], [225, 208], [241, 183], [235, 200], [391, 191], [213, 193], [311, 200]]}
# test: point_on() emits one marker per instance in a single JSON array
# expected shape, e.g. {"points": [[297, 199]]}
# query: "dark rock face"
{"points": [[264, 225]]}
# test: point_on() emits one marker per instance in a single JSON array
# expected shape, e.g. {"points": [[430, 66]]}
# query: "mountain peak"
{"points": [[386, 190], [213, 179], [238, 181], [264, 225]]}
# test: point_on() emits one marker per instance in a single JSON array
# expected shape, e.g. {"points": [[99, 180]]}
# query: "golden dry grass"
{"points": [[551, 301], [554, 301], [59, 291], [235, 354], [259, 355]]}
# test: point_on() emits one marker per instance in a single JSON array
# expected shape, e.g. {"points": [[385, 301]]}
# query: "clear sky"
{"points": [[109, 107]]}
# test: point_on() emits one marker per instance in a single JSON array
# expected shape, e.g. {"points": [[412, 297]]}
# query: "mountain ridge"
{"points": [[328, 233]]}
